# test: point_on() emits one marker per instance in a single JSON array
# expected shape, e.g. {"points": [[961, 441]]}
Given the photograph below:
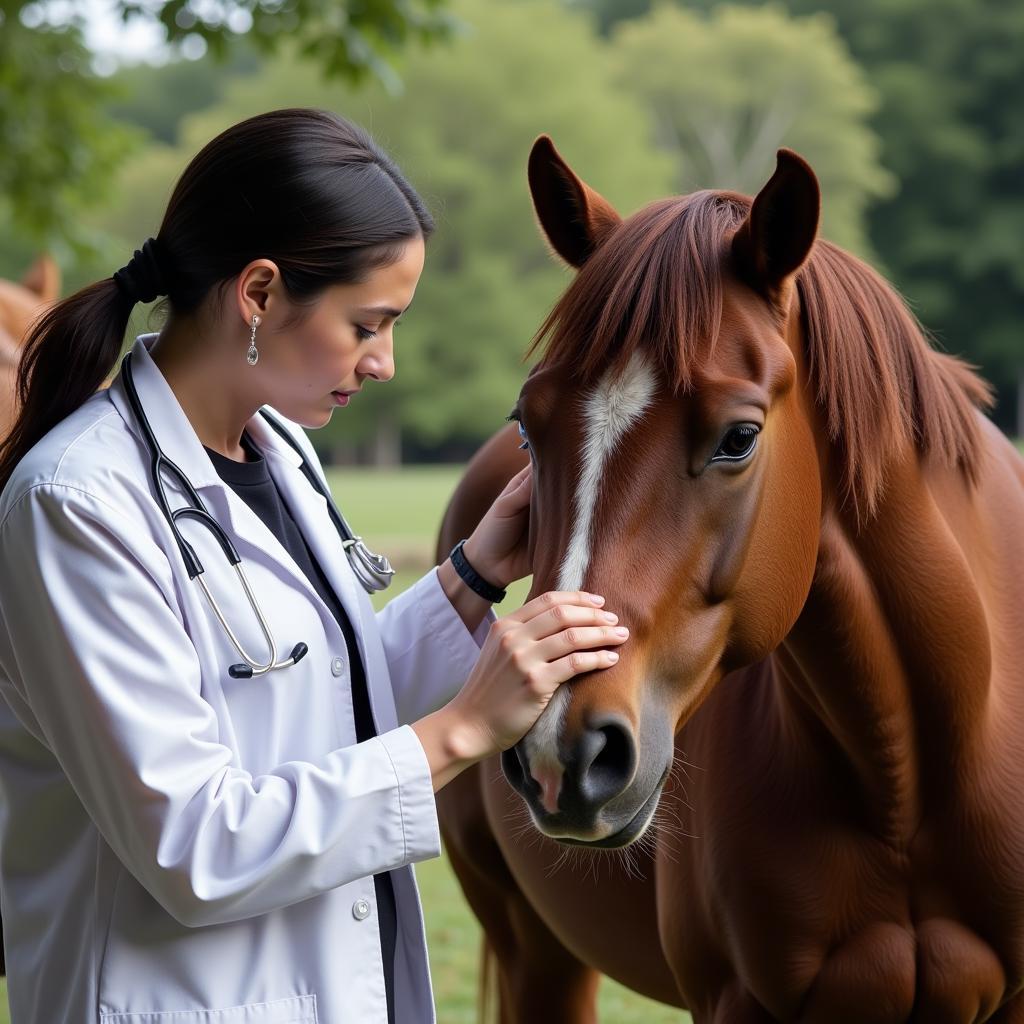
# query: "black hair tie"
{"points": [[143, 278]]}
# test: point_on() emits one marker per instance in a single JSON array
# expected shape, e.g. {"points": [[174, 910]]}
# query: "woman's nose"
{"points": [[380, 364]]}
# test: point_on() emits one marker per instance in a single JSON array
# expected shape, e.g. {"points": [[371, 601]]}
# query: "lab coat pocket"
{"points": [[290, 1010]]}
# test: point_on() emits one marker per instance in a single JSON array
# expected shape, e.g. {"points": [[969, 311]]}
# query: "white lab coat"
{"points": [[178, 846]]}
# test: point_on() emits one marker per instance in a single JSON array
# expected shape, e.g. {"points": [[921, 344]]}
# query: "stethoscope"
{"points": [[374, 572]]}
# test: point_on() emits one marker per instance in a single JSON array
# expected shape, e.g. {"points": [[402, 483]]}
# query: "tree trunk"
{"points": [[342, 453], [387, 443]]}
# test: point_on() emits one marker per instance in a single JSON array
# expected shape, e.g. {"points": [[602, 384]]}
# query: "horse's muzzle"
{"points": [[602, 799]]}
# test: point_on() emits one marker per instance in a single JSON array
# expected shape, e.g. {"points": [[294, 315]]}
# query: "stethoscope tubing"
{"points": [[373, 571]]}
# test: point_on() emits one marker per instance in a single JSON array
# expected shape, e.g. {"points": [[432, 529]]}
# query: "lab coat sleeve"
{"points": [[101, 657], [429, 650]]}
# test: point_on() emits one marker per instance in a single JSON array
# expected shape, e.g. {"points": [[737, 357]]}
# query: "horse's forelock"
{"points": [[653, 288]]}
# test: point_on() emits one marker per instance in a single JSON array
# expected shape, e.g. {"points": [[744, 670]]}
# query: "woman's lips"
{"points": [[340, 397]]}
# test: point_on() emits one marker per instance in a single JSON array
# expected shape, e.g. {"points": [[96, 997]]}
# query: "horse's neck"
{"points": [[889, 661]]}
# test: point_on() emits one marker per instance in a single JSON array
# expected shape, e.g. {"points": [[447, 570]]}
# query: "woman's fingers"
{"points": [[564, 616], [528, 655], [552, 600], [563, 669], [578, 638]]}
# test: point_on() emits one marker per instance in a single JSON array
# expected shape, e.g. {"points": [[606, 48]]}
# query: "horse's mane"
{"points": [[655, 287]]}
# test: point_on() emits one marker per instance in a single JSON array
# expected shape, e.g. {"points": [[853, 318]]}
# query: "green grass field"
{"points": [[403, 509]]}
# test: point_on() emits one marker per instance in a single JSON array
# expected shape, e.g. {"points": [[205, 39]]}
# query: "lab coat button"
{"points": [[337, 666], [360, 910]]}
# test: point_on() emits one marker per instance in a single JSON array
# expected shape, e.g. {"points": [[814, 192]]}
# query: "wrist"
{"points": [[471, 606], [451, 743], [480, 577], [477, 560], [466, 741]]}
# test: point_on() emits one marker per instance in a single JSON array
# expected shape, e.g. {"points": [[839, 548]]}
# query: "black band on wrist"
{"points": [[472, 578]]}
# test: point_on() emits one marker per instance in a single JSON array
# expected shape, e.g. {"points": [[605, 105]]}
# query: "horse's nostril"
{"points": [[511, 765], [607, 761], [516, 767], [524, 765]]}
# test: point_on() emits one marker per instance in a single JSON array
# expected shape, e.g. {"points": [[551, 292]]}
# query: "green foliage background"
{"points": [[907, 110]]}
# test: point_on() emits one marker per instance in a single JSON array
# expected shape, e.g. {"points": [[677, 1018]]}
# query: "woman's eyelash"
{"points": [[364, 333]]}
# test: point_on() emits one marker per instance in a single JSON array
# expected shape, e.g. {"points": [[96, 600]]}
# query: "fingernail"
{"points": [[621, 631], [596, 598], [609, 616], [613, 656]]}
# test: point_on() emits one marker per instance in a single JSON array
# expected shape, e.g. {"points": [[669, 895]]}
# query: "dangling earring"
{"points": [[253, 354]]}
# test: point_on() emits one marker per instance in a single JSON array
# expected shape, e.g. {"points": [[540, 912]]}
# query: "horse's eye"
{"points": [[737, 444], [514, 415], [522, 434]]}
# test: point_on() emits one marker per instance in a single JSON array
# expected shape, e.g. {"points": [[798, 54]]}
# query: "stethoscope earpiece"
{"points": [[242, 671]]}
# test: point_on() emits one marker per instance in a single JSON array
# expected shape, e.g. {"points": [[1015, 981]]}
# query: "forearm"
{"points": [[470, 605], [450, 743]]}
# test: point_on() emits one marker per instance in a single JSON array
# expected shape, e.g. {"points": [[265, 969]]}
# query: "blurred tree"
{"points": [[156, 98], [950, 77], [350, 40], [727, 90], [462, 132], [58, 147]]}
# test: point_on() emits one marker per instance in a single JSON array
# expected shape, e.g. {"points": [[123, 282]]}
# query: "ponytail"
{"points": [[69, 352]]}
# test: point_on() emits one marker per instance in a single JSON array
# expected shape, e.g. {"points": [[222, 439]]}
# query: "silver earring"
{"points": [[253, 354]]}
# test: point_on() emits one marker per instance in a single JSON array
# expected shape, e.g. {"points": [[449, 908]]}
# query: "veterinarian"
{"points": [[217, 762]]}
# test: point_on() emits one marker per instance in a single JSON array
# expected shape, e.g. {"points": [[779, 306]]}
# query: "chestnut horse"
{"points": [[810, 755], [20, 304]]}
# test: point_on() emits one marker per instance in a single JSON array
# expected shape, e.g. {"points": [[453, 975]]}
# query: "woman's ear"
{"points": [[259, 284], [776, 238], [574, 217]]}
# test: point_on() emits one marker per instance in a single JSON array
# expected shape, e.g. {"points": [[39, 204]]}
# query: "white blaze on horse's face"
{"points": [[611, 408]]}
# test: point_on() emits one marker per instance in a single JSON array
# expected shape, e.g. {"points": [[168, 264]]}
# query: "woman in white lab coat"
{"points": [[180, 843]]}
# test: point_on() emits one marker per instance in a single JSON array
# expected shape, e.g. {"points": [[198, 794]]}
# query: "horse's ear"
{"points": [[574, 217], [776, 238], [43, 278]]}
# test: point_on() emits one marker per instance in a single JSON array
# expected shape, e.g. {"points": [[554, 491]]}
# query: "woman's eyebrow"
{"points": [[384, 310]]}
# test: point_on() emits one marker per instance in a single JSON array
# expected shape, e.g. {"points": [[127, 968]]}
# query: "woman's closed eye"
{"points": [[366, 333]]}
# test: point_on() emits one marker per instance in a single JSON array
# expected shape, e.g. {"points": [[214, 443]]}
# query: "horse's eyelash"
{"points": [[514, 415]]}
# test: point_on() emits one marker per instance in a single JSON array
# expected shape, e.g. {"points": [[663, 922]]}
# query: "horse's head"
{"points": [[675, 471]]}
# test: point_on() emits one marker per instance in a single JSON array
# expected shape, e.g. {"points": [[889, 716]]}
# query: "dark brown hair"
{"points": [[302, 187]]}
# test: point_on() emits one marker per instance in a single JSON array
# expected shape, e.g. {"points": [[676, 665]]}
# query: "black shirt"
{"points": [[252, 482]]}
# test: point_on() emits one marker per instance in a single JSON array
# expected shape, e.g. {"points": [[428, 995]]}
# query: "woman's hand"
{"points": [[497, 548], [527, 655]]}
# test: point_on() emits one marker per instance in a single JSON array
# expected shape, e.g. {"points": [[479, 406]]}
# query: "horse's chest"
{"points": [[818, 922]]}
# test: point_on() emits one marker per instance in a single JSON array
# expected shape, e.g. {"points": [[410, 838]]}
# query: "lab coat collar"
{"points": [[174, 431], [180, 443]]}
